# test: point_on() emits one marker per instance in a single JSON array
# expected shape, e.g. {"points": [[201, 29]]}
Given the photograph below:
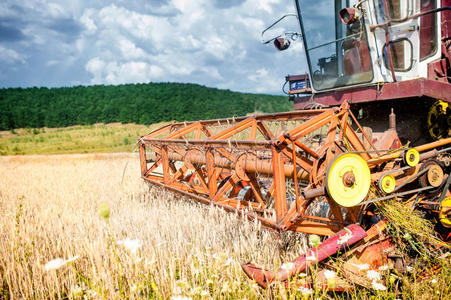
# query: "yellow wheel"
{"points": [[445, 212], [439, 120], [387, 184], [348, 179], [412, 157]]}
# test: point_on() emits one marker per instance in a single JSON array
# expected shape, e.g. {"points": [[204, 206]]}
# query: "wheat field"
{"points": [[85, 226], [153, 245]]}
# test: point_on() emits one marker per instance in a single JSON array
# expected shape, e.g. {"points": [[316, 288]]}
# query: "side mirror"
{"points": [[349, 15], [281, 43]]}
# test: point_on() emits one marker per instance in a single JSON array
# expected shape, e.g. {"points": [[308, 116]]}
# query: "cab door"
{"points": [[402, 50]]}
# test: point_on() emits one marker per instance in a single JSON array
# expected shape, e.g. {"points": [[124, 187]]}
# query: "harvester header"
{"points": [[283, 168]]}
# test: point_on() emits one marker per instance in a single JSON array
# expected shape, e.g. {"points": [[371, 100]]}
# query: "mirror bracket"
{"points": [[282, 41]]}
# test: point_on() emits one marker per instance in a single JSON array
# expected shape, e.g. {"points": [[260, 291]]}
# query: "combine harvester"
{"points": [[323, 168]]}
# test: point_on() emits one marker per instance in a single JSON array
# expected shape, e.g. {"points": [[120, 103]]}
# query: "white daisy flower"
{"points": [[329, 274], [91, 293], [383, 268], [378, 286], [131, 245], [344, 239], [180, 298], [228, 262], [305, 291], [287, 266], [363, 267], [58, 263], [373, 275]]}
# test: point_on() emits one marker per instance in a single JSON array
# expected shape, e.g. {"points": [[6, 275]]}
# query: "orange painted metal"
{"points": [[211, 173], [279, 184], [142, 158], [266, 168]]}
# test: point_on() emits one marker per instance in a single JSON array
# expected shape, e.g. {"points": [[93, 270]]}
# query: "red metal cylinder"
{"points": [[339, 241]]}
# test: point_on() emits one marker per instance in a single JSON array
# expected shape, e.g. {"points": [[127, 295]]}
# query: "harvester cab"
{"points": [[393, 52]]}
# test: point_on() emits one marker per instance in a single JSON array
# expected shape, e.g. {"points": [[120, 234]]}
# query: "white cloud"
{"points": [[130, 51], [201, 41], [52, 63], [88, 22], [259, 74], [55, 10], [11, 56], [138, 25], [266, 5], [217, 47], [194, 8], [96, 67], [117, 73], [263, 81]]}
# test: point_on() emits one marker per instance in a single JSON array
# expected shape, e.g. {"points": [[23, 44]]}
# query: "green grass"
{"points": [[98, 138]]}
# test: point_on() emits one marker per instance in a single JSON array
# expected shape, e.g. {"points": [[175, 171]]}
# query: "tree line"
{"points": [[129, 103]]}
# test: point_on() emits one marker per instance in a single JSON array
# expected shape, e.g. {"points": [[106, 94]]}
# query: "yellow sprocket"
{"points": [[348, 179], [387, 184], [439, 120], [412, 157], [445, 212]]}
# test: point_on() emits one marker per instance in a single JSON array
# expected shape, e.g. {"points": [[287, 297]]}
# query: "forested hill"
{"points": [[129, 103]]}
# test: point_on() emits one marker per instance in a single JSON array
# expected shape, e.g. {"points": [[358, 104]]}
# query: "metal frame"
{"points": [[248, 168]]}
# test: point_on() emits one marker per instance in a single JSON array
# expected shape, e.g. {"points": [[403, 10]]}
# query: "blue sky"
{"points": [[209, 42]]}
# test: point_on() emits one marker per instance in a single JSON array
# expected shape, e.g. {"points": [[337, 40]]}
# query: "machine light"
{"points": [[349, 15]]}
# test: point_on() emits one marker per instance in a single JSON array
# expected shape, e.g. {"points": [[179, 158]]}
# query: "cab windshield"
{"points": [[338, 54]]}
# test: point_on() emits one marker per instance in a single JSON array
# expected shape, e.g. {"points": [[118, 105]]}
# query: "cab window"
{"points": [[397, 9], [428, 30]]}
